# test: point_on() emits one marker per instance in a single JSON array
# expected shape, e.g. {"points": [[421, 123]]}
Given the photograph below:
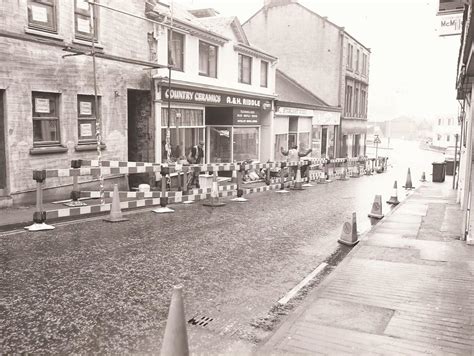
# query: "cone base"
{"points": [[307, 185], [408, 188], [188, 202], [213, 205], [241, 199], [75, 203], [355, 176], [323, 182], [163, 210], [348, 243], [343, 178], [297, 188], [376, 216], [423, 180], [282, 191], [39, 227], [393, 201]]}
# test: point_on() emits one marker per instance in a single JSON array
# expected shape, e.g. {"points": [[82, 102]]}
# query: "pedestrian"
{"points": [[196, 156], [293, 155]]}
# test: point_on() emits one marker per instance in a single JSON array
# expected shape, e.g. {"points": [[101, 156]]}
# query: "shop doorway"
{"points": [[324, 142], [3, 156], [141, 130], [220, 144], [356, 147]]}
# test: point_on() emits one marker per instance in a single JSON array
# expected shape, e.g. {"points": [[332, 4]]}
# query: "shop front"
{"points": [[325, 125], [353, 136], [231, 125]]}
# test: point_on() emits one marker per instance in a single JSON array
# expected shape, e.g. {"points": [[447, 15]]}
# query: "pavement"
{"points": [[406, 288]]}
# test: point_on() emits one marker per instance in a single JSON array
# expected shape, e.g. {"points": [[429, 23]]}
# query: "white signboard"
{"points": [[326, 117], [38, 13], [83, 25], [283, 110], [86, 130], [450, 24], [85, 108], [42, 106]]}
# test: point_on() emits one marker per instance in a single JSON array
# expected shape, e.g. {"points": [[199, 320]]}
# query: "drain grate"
{"points": [[200, 320]]}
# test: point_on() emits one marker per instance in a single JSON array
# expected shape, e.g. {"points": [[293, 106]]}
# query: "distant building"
{"points": [[444, 132], [323, 58]]}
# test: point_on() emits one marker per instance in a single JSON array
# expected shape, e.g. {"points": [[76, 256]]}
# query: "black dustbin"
{"points": [[439, 171]]}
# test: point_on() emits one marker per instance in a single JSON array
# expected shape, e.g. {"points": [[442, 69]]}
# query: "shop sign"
{"points": [[246, 117], [450, 24], [42, 106], [205, 97], [326, 117], [283, 110]]}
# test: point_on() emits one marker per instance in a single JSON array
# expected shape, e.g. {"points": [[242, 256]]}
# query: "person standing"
{"points": [[196, 156], [293, 155]]}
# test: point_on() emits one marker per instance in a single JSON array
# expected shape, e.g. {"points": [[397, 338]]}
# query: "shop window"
{"points": [[264, 74], [220, 144], [246, 143], [186, 131], [86, 117], [42, 15], [303, 141], [176, 50], [45, 119], [245, 69], [207, 59], [281, 140], [82, 20]]}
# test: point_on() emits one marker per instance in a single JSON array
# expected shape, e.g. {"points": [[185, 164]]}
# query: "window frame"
{"points": [[350, 54], [38, 25], [357, 60], [78, 12], [50, 96], [170, 49], [87, 118], [207, 45], [266, 65], [241, 68]]}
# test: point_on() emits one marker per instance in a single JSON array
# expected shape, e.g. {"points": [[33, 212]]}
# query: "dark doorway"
{"points": [[3, 156], [324, 142], [356, 147], [141, 128]]}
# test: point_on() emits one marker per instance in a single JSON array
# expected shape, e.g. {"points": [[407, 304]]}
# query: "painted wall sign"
{"points": [[246, 117], [86, 130], [326, 117], [214, 98], [450, 24], [283, 110]]}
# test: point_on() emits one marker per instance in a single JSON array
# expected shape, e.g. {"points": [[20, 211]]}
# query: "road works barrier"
{"points": [[315, 169]]}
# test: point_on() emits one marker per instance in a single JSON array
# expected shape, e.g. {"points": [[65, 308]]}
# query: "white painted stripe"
{"points": [[85, 210], [63, 212], [304, 282]]}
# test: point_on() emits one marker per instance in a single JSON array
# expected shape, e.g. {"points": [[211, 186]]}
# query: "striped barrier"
{"points": [[95, 163]]}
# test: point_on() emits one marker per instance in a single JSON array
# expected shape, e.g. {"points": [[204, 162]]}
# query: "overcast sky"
{"points": [[412, 69]]}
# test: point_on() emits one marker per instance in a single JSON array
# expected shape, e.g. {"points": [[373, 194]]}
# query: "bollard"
{"points": [[76, 193], [240, 191], [39, 216], [163, 199], [282, 179]]}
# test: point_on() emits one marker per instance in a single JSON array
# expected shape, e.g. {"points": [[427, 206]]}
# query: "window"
{"points": [[281, 140], [207, 60], [42, 15], [356, 101], [439, 122], [264, 74], [245, 69], [350, 50], [363, 102], [364, 64], [245, 143], [348, 105], [176, 50], [86, 117], [357, 60], [447, 138], [45, 119], [82, 20]]}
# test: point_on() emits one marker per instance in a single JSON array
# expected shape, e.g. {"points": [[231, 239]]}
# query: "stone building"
{"points": [[323, 58], [47, 107]]}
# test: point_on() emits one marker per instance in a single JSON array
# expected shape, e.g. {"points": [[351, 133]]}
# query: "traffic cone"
{"points": [[175, 340], [349, 232], [322, 179], [423, 177], [298, 183], [408, 184], [214, 201], [115, 210], [376, 212], [394, 198]]}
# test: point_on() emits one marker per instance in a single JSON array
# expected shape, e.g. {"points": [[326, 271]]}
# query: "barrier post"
{"points": [[307, 177], [163, 199], [39, 216], [185, 179], [76, 193], [282, 179], [178, 168]]}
